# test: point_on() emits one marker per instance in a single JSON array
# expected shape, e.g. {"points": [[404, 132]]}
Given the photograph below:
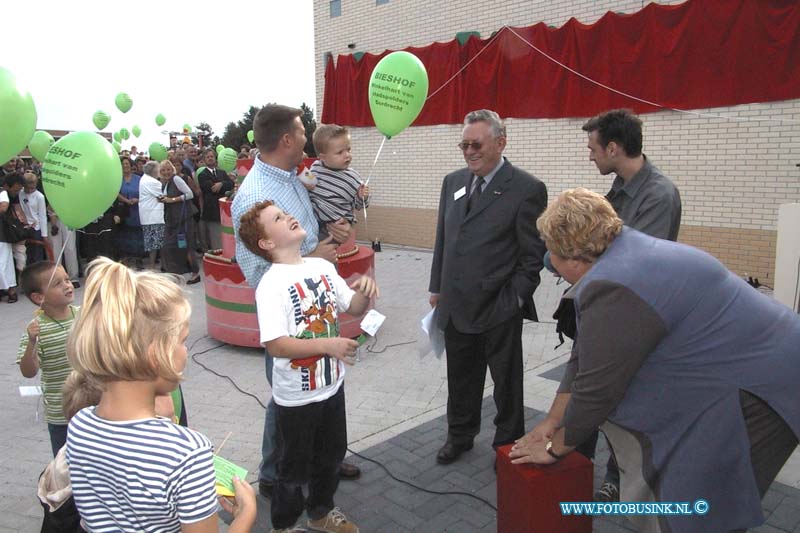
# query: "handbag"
{"points": [[13, 229]]}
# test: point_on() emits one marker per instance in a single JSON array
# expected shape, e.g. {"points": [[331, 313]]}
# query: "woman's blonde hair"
{"points": [[128, 326], [579, 224]]}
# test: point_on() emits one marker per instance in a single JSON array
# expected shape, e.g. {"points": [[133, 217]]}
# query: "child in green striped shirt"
{"points": [[44, 346]]}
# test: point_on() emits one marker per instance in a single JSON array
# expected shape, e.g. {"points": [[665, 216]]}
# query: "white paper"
{"points": [[30, 390], [372, 322], [459, 193], [434, 337]]}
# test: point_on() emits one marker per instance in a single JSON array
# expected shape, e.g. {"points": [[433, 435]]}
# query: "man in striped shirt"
{"points": [[44, 344]]}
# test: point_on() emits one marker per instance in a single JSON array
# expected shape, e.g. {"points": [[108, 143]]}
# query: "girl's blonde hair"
{"points": [[128, 326]]}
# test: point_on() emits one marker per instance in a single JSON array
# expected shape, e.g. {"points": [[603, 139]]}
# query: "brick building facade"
{"points": [[733, 174]]}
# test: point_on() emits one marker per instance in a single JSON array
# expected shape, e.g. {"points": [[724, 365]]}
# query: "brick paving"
{"points": [[395, 404]]}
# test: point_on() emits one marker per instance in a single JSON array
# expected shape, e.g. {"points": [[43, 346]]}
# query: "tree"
{"points": [[204, 132], [236, 132], [310, 125]]}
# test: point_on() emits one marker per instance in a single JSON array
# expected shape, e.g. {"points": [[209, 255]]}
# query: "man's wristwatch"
{"points": [[549, 449]]}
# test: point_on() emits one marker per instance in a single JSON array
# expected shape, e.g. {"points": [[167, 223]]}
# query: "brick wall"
{"points": [[732, 173]]}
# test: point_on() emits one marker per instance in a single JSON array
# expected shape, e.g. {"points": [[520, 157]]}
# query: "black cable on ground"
{"points": [[370, 350], [220, 345], [412, 485]]}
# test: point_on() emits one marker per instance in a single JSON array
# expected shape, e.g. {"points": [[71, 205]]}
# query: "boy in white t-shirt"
{"points": [[298, 301]]}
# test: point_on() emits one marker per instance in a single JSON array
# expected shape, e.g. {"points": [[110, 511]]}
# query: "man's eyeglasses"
{"points": [[464, 146]]}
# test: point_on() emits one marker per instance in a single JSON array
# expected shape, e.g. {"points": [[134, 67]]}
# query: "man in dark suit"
{"points": [[486, 265], [214, 182]]}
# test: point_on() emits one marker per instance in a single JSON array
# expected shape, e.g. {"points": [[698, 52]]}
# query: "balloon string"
{"points": [[369, 177]]}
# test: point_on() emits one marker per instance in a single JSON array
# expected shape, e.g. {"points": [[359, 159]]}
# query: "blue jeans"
{"points": [[58, 436], [269, 455], [312, 441]]}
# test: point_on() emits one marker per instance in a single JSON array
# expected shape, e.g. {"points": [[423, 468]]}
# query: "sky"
{"points": [[192, 61]]}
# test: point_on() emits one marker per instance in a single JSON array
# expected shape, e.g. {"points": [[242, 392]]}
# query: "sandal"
{"points": [[12, 296], [195, 279]]}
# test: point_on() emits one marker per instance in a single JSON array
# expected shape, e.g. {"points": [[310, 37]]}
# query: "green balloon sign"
{"points": [[227, 159], [81, 176], [117, 146], [125, 134], [136, 130], [250, 136], [160, 120], [40, 144], [398, 88], [17, 116], [100, 119], [123, 102], [158, 152]]}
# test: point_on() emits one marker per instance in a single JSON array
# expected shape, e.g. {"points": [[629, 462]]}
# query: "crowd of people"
{"points": [[167, 212], [688, 371]]}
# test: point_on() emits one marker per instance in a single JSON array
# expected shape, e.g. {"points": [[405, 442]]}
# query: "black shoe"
{"points": [[450, 452], [349, 471], [265, 488]]}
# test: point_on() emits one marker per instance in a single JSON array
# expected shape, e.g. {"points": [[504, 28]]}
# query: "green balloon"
{"points": [[100, 119], [81, 175], [117, 146], [117, 137], [125, 134], [17, 116], [397, 91], [250, 136], [40, 144], [227, 159], [158, 152], [136, 130], [220, 148], [123, 102], [160, 119], [199, 171], [187, 128]]}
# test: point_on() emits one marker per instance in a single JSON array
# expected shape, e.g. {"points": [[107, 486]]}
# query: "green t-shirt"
{"points": [[53, 362]]}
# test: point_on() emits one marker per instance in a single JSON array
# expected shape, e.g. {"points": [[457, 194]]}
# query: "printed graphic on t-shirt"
{"points": [[314, 305]]}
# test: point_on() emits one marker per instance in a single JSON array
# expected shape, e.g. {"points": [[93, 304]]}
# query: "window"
{"points": [[336, 8]]}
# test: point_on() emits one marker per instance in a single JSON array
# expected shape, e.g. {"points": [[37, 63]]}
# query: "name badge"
{"points": [[459, 193]]}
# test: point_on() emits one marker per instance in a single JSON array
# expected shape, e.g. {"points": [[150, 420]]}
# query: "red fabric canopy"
{"points": [[702, 53]]}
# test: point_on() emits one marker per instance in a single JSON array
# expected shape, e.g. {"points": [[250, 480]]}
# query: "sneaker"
{"points": [[293, 529], [333, 522], [608, 492]]}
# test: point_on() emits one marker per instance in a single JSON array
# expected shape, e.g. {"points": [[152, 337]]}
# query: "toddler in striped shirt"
{"points": [[338, 191]]}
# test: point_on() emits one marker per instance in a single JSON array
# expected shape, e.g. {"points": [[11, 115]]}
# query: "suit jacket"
{"points": [[207, 179], [484, 262]]}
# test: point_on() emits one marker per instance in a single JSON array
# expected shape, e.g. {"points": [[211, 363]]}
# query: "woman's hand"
{"points": [[531, 452]]}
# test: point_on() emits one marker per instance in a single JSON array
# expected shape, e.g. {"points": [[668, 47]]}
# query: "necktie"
{"points": [[475, 196]]}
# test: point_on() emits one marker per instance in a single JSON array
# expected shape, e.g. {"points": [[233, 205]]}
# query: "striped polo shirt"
{"points": [[139, 475], [53, 361]]}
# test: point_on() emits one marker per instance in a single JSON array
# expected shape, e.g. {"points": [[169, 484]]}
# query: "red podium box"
{"points": [[528, 495]]}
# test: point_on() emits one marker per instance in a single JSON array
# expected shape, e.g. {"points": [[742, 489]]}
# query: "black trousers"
{"points": [[311, 443], [468, 355]]}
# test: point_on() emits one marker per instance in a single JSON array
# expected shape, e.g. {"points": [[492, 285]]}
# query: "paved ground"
{"points": [[395, 400]]}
